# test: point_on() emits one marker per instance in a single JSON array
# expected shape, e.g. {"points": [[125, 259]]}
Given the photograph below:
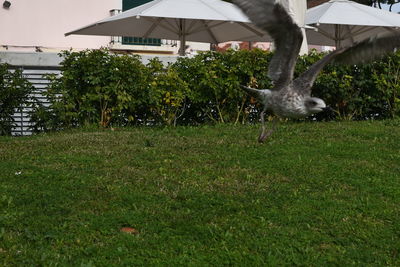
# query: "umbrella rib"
{"points": [[389, 29], [324, 33], [362, 30], [208, 29], [244, 25], [201, 27], [171, 29], [349, 34], [191, 26], [171, 24], [152, 27]]}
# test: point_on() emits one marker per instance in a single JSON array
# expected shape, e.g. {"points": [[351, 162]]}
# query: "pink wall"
{"points": [[44, 22]]}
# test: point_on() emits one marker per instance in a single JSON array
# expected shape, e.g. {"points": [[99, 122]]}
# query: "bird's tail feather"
{"points": [[257, 93]]}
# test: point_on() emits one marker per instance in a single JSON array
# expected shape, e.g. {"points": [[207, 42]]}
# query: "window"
{"points": [[128, 4]]}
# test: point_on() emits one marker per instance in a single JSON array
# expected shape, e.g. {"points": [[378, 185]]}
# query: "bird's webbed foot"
{"points": [[264, 135]]}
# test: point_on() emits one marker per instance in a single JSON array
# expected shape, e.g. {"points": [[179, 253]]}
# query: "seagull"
{"points": [[289, 97]]}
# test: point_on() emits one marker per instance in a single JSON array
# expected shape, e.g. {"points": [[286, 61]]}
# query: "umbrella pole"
{"points": [[182, 37], [337, 43], [338, 37]]}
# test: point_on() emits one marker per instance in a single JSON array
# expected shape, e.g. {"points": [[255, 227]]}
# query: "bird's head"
{"points": [[315, 105]]}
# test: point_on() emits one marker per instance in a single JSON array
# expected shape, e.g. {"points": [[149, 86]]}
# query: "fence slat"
{"points": [[37, 77]]}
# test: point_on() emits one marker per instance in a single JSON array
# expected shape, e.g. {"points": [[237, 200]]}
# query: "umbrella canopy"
{"points": [[340, 23], [211, 21]]}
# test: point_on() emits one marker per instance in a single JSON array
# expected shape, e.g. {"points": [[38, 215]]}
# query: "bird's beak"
{"points": [[328, 109]]}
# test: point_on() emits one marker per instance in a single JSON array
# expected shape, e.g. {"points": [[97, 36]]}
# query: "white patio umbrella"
{"points": [[341, 23], [297, 9], [210, 21]]}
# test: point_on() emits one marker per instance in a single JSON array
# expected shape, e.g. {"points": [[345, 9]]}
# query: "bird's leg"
{"points": [[264, 135]]}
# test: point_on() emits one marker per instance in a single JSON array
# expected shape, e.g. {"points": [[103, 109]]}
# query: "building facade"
{"points": [[40, 25]]}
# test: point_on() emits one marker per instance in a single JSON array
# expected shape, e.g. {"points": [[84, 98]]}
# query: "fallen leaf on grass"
{"points": [[129, 230]]}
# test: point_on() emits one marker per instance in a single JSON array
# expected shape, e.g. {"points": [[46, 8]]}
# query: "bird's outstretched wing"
{"points": [[364, 51], [370, 49], [274, 19]]}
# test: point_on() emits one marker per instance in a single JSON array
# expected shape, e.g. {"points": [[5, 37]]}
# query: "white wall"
{"points": [[30, 23]]}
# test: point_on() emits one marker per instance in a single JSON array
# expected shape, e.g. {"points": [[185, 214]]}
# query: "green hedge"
{"points": [[112, 90], [14, 90], [365, 91]]}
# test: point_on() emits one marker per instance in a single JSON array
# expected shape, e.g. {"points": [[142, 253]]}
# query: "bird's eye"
{"points": [[313, 103]]}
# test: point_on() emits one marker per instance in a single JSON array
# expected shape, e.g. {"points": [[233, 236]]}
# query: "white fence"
{"points": [[37, 77]]}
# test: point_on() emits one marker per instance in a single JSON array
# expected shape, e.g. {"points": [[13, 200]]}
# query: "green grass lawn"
{"points": [[315, 194]]}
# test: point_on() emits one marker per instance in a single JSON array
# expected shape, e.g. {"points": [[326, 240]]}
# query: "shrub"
{"points": [[95, 87], [14, 90], [364, 91], [214, 79], [168, 92], [106, 89], [384, 96]]}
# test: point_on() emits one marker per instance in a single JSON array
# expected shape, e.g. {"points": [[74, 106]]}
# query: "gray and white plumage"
{"points": [[292, 97]]}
